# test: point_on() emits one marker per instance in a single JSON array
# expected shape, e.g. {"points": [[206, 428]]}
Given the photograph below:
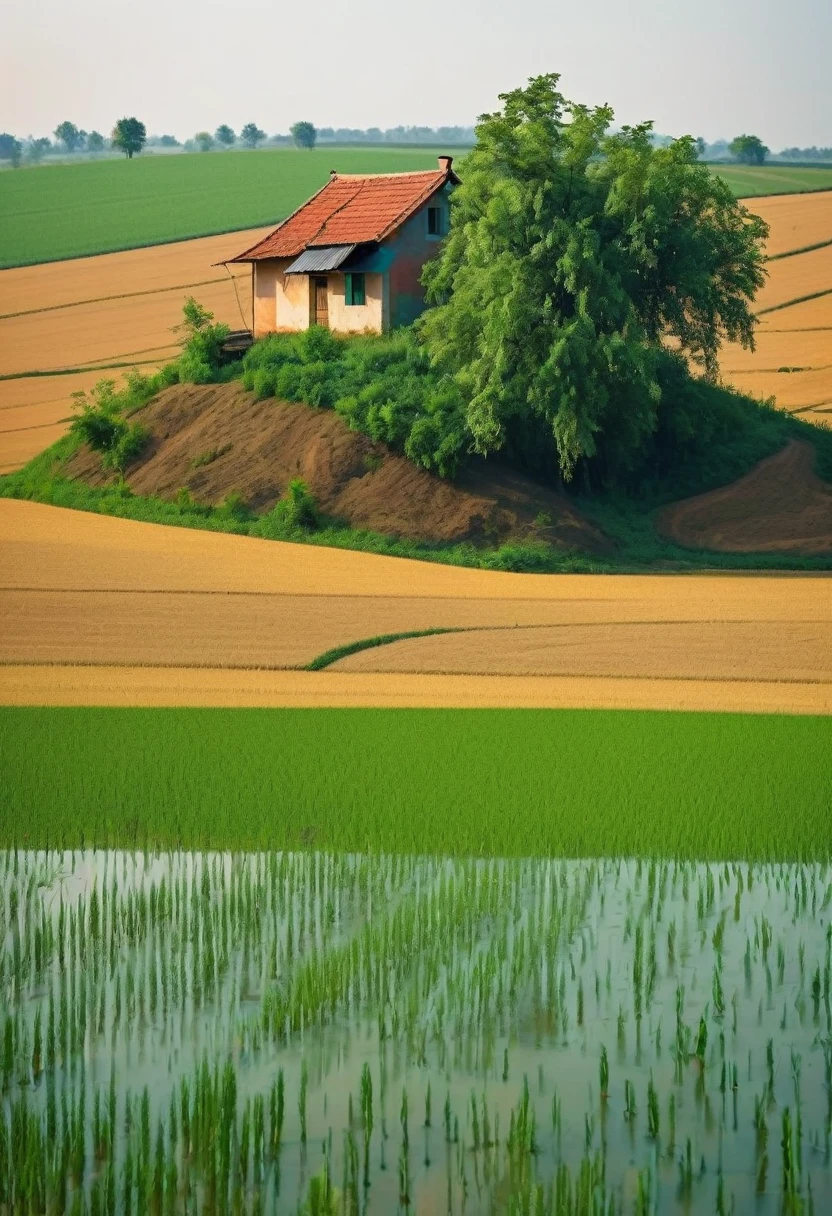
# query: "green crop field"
{"points": [[747, 181], [481, 782], [63, 211]]}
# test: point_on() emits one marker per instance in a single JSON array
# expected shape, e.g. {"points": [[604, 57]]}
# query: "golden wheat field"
{"points": [[795, 277], [795, 220], [119, 308], [158, 615]]}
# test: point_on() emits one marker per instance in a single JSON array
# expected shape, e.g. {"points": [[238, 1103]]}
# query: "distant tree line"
{"points": [[813, 153], [130, 136]]}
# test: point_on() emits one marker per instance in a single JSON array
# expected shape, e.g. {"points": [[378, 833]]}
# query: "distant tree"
{"points": [[129, 135], [251, 135], [95, 141], [10, 148], [204, 141], [304, 134], [224, 135], [37, 148], [701, 148], [749, 149], [169, 141], [82, 140], [68, 134]]}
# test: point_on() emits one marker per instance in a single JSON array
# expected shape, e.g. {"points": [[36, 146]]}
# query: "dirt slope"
{"points": [[262, 445], [780, 506]]}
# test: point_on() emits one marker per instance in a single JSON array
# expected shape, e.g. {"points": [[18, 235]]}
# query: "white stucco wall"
{"points": [[356, 318], [282, 303]]}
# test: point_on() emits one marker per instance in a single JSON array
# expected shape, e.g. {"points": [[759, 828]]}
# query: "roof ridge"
{"points": [[404, 173]]}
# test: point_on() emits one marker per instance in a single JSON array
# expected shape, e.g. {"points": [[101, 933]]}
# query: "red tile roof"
{"points": [[350, 210]]}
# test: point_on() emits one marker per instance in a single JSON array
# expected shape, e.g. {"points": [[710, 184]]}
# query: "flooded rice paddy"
{"points": [[339, 1033]]}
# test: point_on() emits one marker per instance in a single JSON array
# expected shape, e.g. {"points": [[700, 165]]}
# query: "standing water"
{"points": [[340, 1033]]}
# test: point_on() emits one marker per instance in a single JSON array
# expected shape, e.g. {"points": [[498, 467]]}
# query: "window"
{"points": [[434, 221], [354, 288]]}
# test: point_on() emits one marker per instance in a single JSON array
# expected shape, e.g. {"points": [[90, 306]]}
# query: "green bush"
{"points": [[296, 511], [100, 423], [235, 506], [201, 356], [383, 386]]}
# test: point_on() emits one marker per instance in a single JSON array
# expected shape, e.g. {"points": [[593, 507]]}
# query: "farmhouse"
{"points": [[351, 257]]}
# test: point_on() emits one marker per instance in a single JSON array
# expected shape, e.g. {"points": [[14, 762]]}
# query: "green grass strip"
{"points": [[790, 253], [474, 782], [384, 639], [815, 295]]}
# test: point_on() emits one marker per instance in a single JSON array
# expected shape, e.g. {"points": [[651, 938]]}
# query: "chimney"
{"points": [[445, 163]]}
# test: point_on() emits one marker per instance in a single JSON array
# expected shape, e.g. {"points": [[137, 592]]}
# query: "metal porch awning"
{"points": [[318, 261]]}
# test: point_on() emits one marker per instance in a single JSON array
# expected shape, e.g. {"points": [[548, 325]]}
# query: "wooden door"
{"points": [[320, 308]]}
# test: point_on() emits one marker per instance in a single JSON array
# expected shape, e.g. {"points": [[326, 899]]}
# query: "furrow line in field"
{"points": [[124, 295], [814, 295], [73, 371], [452, 672], [790, 253], [37, 426]]}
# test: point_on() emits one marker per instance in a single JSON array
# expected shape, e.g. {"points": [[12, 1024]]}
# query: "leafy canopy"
{"points": [[129, 135], [574, 254], [225, 135]]}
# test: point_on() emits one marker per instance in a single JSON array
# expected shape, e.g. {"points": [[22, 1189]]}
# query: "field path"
{"points": [[96, 610]]}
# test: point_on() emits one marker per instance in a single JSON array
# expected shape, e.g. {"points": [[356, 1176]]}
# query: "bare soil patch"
{"points": [[261, 446], [781, 506]]}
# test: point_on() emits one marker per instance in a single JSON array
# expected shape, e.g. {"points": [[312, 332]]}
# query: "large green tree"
{"points": [[749, 149], [574, 255], [130, 136]]}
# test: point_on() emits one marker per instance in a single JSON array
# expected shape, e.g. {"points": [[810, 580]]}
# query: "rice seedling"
{"points": [[231, 1032]]}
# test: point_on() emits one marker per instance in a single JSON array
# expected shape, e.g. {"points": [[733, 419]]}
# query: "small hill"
{"points": [[217, 439], [780, 506]]}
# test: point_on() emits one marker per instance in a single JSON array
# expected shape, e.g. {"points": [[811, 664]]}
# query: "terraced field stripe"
{"points": [[125, 295]]}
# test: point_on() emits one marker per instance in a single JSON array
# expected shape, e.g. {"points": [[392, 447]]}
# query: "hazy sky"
{"points": [[713, 68]]}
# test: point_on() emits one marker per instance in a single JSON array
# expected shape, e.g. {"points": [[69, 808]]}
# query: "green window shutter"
{"points": [[354, 291]]}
